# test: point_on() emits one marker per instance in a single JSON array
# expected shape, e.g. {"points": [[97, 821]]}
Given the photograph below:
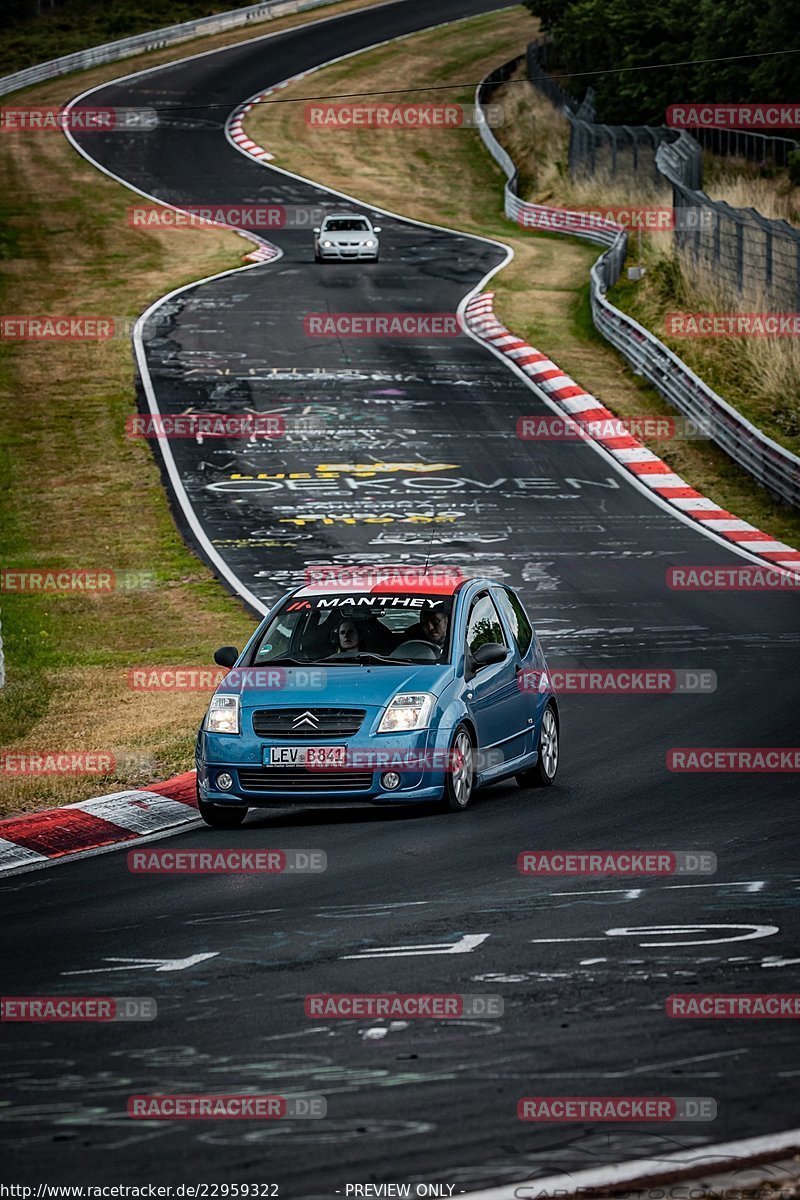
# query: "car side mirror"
{"points": [[376, 228], [489, 653], [226, 656], [317, 230]]}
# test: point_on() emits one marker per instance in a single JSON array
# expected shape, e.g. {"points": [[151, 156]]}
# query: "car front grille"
{"points": [[275, 779], [330, 722]]}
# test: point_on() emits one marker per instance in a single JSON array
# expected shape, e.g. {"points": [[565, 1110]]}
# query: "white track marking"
{"points": [[464, 945], [148, 964]]}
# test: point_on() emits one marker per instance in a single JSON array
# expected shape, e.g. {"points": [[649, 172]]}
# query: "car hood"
{"points": [[332, 686]]}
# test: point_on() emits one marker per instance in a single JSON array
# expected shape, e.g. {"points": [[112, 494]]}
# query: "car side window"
{"points": [[517, 619], [484, 624]]}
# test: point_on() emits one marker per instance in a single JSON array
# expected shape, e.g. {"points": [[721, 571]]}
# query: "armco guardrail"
{"points": [[775, 467], [156, 39]]}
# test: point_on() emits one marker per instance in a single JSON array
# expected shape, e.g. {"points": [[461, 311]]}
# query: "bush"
{"points": [[793, 163]]}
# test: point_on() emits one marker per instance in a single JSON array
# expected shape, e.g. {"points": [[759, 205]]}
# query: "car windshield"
{"points": [[346, 225], [362, 629]]}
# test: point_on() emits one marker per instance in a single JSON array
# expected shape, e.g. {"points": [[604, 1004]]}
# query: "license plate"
{"points": [[305, 756]]}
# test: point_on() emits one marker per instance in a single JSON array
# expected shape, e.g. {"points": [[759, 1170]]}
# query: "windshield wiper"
{"points": [[369, 656], [358, 656], [283, 661]]}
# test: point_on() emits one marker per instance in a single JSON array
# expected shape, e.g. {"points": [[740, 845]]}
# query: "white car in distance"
{"points": [[346, 235]]}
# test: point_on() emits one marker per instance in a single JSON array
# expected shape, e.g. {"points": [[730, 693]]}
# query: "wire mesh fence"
{"points": [[742, 143], [772, 465], [757, 256]]}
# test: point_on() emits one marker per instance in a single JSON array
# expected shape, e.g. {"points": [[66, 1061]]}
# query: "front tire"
{"points": [[459, 782], [219, 816], [544, 773]]}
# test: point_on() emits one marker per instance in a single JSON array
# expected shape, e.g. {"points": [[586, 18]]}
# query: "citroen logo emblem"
{"points": [[306, 718]]}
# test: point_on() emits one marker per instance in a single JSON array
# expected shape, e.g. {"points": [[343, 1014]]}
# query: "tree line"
{"points": [[594, 39]]}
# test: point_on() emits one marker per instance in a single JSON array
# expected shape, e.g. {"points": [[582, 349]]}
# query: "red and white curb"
{"points": [[648, 468], [235, 126], [92, 825], [236, 133], [701, 1163], [265, 252]]}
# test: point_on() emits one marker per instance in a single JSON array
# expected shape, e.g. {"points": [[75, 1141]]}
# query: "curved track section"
{"points": [[418, 437]]}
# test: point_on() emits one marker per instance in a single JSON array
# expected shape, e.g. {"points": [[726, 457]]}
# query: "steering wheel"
{"points": [[417, 649]]}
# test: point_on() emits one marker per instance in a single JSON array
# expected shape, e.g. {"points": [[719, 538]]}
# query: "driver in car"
{"points": [[432, 627], [347, 636]]}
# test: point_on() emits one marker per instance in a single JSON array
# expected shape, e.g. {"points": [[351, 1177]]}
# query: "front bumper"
{"points": [[413, 756], [343, 253]]}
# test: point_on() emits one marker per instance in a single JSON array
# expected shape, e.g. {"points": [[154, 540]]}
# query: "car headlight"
{"points": [[369, 243], [328, 244], [407, 711], [223, 715]]}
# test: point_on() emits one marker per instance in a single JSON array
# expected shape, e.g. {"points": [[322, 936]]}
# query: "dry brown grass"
{"points": [[76, 492], [741, 184], [758, 375]]}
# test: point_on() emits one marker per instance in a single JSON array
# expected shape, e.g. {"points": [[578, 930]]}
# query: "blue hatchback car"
{"points": [[393, 693]]}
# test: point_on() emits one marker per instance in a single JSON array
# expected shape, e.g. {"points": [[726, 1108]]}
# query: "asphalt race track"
{"points": [[584, 966]]}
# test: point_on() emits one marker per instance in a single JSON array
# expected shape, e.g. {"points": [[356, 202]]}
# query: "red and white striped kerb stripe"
{"points": [[236, 124], [651, 471], [38, 837]]}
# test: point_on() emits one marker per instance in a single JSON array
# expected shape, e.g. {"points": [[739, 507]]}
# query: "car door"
{"points": [[493, 696], [529, 660]]}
